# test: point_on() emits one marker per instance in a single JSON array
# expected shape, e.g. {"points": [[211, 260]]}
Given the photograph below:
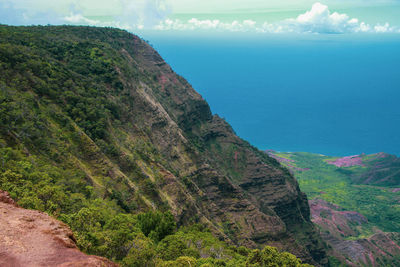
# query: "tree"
{"points": [[157, 225]]}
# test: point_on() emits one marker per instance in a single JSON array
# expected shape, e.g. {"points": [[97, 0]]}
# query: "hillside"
{"points": [[98, 131], [354, 201]]}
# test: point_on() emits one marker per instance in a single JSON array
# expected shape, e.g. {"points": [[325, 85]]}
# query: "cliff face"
{"points": [[33, 238], [156, 143]]}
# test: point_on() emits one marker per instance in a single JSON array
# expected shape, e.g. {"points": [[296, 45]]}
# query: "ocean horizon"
{"points": [[334, 94]]}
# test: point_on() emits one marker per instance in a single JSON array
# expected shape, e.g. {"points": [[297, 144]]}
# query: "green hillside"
{"points": [[99, 132]]}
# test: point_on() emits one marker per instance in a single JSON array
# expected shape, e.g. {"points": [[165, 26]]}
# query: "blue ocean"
{"points": [[330, 94]]}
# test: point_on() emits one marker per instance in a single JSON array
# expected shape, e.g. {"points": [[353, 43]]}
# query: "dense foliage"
{"points": [[104, 228], [62, 118]]}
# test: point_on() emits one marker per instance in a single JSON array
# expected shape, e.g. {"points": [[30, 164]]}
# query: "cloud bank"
{"points": [[127, 14], [317, 20], [152, 14]]}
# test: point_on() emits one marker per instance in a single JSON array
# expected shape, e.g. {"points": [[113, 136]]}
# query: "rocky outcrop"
{"points": [[33, 238]]}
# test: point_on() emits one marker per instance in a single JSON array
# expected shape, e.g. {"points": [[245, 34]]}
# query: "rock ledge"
{"points": [[33, 238]]}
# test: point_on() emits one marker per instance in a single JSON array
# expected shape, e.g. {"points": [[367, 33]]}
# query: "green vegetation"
{"points": [[70, 146], [336, 185], [102, 227]]}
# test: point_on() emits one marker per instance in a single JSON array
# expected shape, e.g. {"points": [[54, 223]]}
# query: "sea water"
{"points": [[329, 94]]}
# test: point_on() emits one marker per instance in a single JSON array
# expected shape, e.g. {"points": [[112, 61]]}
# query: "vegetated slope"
{"points": [[380, 169], [351, 211], [94, 124], [33, 238]]}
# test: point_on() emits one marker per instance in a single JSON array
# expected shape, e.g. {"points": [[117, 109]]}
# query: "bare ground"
{"points": [[32, 238]]}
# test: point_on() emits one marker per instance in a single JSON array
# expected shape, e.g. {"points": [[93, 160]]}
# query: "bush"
{"points": [[157, 225]]}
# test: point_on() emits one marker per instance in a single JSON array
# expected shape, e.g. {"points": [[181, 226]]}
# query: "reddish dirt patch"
{"points": [[33, 238], [348, 161]]}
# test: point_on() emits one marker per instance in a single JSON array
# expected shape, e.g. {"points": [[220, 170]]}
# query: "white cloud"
{"points": [[385, 28], [80, 19], [317, 20], [132, 14], [143, 13], [320, 20], [196, 24]]}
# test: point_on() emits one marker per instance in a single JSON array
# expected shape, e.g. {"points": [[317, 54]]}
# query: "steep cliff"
{"points": [[103, 103]]}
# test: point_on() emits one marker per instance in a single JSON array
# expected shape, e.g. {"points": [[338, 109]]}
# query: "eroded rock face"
{"points": [[332, 218], [341, 230], [269, 188], [33, 238], [241, 193]]}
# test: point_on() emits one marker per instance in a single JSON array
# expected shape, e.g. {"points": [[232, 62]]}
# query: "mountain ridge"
{"points": [[95, 113]]}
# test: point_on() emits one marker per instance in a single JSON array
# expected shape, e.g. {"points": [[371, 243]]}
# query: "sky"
{"points": [[261, 16]]}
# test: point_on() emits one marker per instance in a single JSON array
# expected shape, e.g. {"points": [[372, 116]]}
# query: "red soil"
{"points": [[348, 161], [33, 238]]}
